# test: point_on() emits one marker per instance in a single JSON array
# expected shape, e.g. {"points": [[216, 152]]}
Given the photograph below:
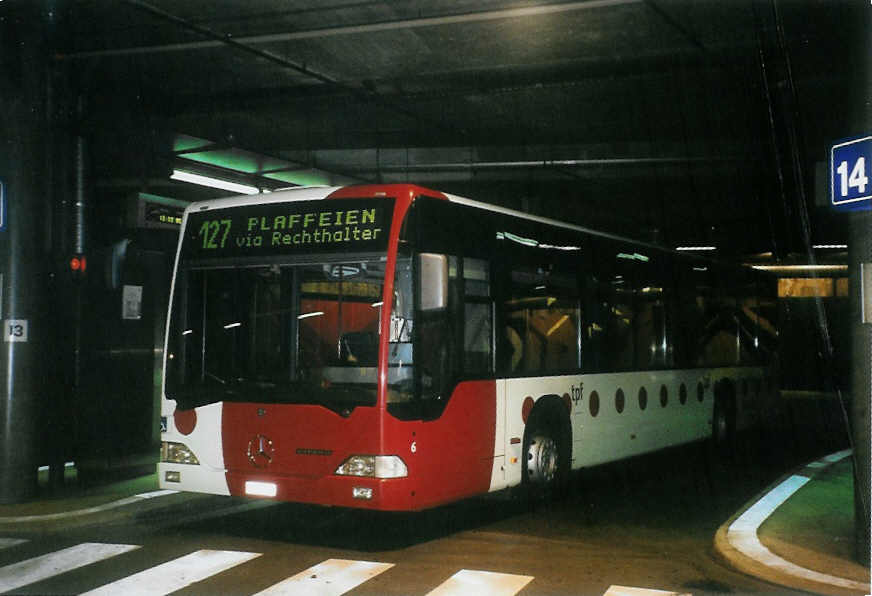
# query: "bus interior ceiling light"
{"points": [[192, 178]]}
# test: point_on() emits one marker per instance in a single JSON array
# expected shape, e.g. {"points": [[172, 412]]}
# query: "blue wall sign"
{"points": [[851, 174]]}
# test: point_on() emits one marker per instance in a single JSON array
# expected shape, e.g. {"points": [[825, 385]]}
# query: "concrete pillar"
{"points": [[860, 247], [860, 244], [24, 261]]}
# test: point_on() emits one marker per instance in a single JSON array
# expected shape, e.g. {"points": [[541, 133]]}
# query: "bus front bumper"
{"points": [[341, 491]]}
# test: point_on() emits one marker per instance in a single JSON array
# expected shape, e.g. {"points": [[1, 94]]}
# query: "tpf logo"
{"points": [[576, 393]]}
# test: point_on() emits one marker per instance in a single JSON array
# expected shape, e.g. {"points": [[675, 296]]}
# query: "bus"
{"points": [[396, 348]]}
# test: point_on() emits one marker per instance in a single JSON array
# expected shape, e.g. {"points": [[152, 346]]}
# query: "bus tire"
{"points": [[547, 450], [724, 417]]}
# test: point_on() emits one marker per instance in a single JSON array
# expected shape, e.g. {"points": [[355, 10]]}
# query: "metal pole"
{"points": [[24, 122]]}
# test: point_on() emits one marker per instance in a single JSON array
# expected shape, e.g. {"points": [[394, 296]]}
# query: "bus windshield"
{"points": [[276, 333]]}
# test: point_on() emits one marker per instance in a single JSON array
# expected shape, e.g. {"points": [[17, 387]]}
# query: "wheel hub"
{"points": [[542, 459]]}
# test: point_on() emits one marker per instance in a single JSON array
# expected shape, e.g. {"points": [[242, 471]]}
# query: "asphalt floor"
{"points": [[799, 533]]}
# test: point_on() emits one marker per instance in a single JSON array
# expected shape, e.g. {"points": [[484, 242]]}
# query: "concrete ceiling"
{"points": [[685, 121]]}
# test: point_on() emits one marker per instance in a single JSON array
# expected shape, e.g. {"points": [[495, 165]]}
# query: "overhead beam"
{"points": [[364, 28]]}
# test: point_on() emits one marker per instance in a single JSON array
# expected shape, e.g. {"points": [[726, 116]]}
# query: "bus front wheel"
{"points": [[543, 459], [547, 450]]}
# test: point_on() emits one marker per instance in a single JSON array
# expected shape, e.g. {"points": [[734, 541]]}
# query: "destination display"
{"points": [[338, 225]]}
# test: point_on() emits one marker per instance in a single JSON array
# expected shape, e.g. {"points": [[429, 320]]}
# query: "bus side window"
{"points": [[597, 310], [619, 336], [652, 299], [541, 316]]}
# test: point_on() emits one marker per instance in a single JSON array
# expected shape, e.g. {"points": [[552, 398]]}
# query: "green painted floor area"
{"points": [[819, 517], [76, 495]]}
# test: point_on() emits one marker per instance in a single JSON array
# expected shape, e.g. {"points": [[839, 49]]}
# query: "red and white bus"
{"points": [[396, 348]]}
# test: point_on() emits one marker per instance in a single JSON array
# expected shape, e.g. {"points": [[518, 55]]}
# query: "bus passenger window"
{"points": [[651, 340], [542, 322], [619, 335]]}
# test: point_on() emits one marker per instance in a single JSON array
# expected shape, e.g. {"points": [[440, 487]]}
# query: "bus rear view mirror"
{"points": [[433, 284]]}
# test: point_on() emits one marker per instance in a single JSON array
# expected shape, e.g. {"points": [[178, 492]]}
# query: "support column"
{"points": [[23, 259], [860, 251], [860, 244]]}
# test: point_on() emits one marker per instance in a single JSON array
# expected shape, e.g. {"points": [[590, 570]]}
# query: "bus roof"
{"points": [[311, 193]]}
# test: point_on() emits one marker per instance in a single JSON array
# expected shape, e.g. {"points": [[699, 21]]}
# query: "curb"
{"points": [[106, 512], [86, 511], [738, 543]]}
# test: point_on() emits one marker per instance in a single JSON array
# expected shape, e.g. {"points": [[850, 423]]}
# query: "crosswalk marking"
{"points": [[330, 578], [9, 542], [176, 574], [630, 591], [466, 581], [39, 568]]}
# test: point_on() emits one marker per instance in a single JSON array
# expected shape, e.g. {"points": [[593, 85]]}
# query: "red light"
{"points": [[78, 263]]}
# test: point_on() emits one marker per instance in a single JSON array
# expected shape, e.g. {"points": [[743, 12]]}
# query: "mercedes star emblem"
{"points": [[260, 451]]}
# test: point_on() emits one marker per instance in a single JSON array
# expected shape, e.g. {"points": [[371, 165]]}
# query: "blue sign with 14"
{"points": [[851, 174]]}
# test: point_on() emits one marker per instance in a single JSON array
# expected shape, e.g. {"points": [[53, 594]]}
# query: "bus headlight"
{"points": [[177, 453], [373, 466]]}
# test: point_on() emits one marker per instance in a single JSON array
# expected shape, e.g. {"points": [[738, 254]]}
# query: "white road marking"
{"points": [[466, 582], [156, 493], [837, 456], [330, 578], [176, 574], [631, 591], [43, 567], [742, 533], [755, 515], [78, 512], [9, 542]]}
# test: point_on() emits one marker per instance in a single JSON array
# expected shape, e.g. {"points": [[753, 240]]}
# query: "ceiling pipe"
{"points": [[541, 163]]}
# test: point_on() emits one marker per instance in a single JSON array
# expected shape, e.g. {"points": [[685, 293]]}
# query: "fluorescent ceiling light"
{"points": [[183, 176], [696, 248], [830, 246]]}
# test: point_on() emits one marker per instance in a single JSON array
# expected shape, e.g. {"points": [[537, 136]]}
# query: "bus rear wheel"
{"points": [[724, 418]]}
